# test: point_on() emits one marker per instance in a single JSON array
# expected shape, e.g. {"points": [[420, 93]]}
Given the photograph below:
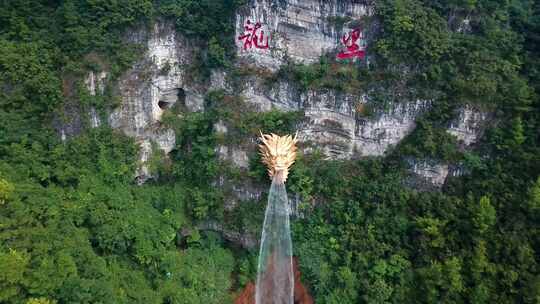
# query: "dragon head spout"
{"points": [[278, 154]]}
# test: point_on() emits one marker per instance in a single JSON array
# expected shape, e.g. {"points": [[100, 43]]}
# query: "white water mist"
{"points": [[275, 277]]}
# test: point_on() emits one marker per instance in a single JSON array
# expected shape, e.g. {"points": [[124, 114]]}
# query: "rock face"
{"points": [[333, 120], [299, 30], [152, 85], [469, 125], [95, 84], [243, 239], [429, 171], [388, 128], [235, 155], [343, 133], [76, 118]]}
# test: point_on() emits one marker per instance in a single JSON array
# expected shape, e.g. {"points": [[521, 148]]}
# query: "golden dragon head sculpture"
{"points": [[278, 154]]}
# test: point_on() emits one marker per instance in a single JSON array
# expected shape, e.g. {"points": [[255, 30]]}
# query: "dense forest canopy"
{"points": [[75, 227]]}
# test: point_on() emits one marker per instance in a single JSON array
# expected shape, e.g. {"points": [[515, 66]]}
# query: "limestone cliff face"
{"points": [[344, 133], [95, 84], [429, 173], [468, 126], [154, 84], [301, 31], [298, 30], [150, 86], [335, 122]]}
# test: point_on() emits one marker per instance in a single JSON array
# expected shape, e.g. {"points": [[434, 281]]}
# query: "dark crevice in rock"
{"points": [[164, 105], [181, 96]]}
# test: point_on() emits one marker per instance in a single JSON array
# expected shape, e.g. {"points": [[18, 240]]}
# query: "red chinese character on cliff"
{"points": [[350, 41], [253, 36]]}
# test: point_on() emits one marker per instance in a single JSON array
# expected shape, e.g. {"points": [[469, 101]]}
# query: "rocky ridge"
{"points": [[298, 31]]}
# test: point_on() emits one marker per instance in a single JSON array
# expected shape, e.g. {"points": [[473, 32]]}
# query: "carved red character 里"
{"points": [[350, 41], [254, 36]]}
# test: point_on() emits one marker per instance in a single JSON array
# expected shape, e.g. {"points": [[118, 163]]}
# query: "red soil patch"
{"points": [[301, 295]]}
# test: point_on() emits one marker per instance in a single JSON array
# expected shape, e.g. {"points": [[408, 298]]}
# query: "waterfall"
{"points": [[275, 278]]}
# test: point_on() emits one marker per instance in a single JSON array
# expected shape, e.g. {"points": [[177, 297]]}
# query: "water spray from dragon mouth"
{"points": [[275, 277]]}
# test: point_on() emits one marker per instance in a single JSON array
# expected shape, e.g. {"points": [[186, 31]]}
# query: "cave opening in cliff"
{"points": [[164, 105], [181, 96]]}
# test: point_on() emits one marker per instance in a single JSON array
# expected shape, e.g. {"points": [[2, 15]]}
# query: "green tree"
{"points": [[484, 215], [13, 264], [534, 201], [5, 191], [40, 301]]}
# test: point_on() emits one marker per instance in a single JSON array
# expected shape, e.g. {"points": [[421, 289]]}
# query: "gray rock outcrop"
{"points": [[298, 30], [153, 85], [469, 125]]}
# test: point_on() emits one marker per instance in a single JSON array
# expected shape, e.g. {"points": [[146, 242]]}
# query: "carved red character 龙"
{"points": [[253, 36], [350, 41]]}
